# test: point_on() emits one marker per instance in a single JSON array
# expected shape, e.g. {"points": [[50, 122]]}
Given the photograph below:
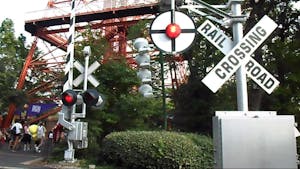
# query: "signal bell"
{"points": [[143, 62]]}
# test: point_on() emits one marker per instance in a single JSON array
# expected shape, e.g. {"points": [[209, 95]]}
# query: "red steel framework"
{"points": [[51, 26]]}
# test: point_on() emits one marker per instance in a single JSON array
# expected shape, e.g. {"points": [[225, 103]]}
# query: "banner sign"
{"points": [[35, 109]]}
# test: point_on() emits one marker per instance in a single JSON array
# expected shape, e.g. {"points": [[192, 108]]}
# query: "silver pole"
{"points": [[241, 81], [173, 11], [86, 67], [87, 52], [173, 5], [69, 153]]}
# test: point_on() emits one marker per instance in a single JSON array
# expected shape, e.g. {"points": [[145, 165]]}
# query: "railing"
{"points": [[94, 6]]}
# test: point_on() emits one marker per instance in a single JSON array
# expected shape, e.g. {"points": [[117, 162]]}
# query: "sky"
{"points": [[16, 9]]}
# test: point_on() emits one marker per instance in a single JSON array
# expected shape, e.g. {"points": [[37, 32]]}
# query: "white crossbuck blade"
{"points": [[91, 78], [239, 55]]}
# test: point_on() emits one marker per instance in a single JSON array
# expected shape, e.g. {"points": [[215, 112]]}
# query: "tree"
{"points": [[279, 55], [12, 54], [124, 108]]}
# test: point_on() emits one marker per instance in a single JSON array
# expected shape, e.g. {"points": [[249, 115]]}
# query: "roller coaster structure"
{"points": [[50, 27]]}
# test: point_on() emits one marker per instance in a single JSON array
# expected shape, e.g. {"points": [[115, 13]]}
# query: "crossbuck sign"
{"points": [[91, 78], [239, 55]]}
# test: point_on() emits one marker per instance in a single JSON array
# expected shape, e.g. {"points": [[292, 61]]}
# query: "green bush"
{"points": [[158, 150]]}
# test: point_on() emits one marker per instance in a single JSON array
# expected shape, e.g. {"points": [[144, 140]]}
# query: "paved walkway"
{"points": [[20, 159]]}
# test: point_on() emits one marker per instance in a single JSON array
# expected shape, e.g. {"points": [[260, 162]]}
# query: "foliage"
{"points": [[194, 102], [57, 153], [12, 54], [278, 56], [195, 105], [124, 107], [144, 149], [138, 30], [99, 45]]}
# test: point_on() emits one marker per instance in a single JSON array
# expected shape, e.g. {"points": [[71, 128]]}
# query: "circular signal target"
{"points": [[172, 32]]}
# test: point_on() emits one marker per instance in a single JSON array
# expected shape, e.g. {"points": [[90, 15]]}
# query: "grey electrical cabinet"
{"points": [[253, 140], [79, 132]]}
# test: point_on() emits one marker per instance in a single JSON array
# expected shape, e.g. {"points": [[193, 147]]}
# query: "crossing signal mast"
{"points": [[229, 126], [77, 134], [172, 33]]}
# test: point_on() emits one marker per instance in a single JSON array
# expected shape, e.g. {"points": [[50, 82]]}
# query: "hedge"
{"points": [[158, 150]]}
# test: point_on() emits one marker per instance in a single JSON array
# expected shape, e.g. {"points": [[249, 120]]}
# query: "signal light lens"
{"points": [[173, 30], [90, 97], [69, 98]]}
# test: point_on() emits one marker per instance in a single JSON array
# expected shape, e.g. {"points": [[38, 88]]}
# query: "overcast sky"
{"points": [[16, 9]]}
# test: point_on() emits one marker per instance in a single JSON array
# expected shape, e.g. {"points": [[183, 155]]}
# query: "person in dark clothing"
{"points": [[26, 140]]}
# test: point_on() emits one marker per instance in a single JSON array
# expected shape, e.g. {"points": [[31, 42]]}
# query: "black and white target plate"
{"points": [[177, 41]]}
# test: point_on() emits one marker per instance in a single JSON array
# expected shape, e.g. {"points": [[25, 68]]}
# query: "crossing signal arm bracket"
{"points": [[214, 12], [62, 119]]}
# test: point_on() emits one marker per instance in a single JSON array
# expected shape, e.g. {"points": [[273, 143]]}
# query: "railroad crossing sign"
{"points": [[239, 55], [253, 69], [91, 78], [172, 34]]}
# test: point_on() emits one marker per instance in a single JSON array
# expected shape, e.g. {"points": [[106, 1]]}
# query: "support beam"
{"points": [[20, 85]]}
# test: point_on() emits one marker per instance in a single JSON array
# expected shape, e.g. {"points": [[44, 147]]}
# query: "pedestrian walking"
{"points": [[33, 130], [57, 133], [16, 133], [50, 136], [26, 140], [41, 136]]}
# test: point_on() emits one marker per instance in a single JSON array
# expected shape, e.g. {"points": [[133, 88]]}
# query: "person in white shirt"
{"points": [[16, 131], [41, 135]]}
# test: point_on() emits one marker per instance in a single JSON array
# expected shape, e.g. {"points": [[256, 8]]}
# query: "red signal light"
{"points": [[69, 98], [173, 30]]}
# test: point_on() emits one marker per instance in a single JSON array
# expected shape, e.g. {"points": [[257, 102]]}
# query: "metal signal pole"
{"points": [[68, 84], [241, 81]]}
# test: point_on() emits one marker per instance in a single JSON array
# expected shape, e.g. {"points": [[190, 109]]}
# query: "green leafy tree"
{"points": [[124, 108], [194, 102], [279, 55], [12, 55]]}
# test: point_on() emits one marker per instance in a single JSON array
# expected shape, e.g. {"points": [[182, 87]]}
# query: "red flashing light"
{"points": [[173, 30], [69, 98]]}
